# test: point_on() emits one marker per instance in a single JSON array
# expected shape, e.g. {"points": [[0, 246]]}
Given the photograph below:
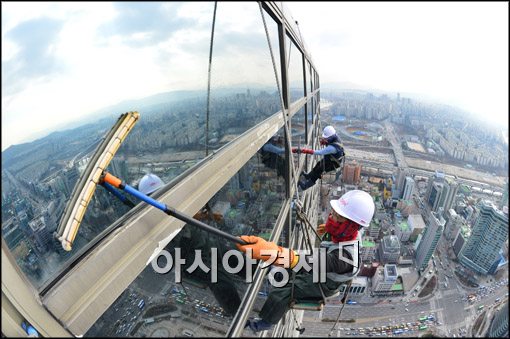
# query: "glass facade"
{"points": [[213, 132]]}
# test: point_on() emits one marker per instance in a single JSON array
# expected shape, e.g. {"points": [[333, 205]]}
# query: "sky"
{"points": [[456, 52], [62, 61]]}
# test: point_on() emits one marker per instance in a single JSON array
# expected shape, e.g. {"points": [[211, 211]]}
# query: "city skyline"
{"points": [[49, 71]]}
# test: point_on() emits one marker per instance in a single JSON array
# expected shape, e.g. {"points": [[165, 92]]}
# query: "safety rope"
{"points": [[305, 240], [209, 82], [303, 217], [297, 200], [298, 328], [344, 299], [285, 124]]}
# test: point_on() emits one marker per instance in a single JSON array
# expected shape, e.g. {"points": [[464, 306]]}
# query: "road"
{"points": [[388, 162], [448, 304], [397, 148]]}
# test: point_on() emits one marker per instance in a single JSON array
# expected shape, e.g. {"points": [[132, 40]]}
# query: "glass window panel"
{"points": [[272, 28], [312, 109], [310, 78], [298, 128], [298, 133], [295, 71], [307, 76], [248, 204], [291, 20], [151, 57], [309, 107], [243, 86], [309, 119]]}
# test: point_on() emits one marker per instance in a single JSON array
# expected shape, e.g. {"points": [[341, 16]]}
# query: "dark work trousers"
{"points": [[305, 289], [322, 166], [224, 290], [274, 161]]}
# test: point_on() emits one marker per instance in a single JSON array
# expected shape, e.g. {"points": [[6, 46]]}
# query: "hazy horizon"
{"points": [[344, 86], [59, 58]]}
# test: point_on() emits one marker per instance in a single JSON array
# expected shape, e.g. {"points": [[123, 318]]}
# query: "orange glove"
{"points": [[268, 250], [321, 229]]}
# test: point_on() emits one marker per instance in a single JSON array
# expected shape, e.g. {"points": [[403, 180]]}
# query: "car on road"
{"points": [[351, 302]]}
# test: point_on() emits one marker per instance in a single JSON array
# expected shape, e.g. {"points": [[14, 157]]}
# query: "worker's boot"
{"points": [[304, 185], [306, 175], [258, 325]]}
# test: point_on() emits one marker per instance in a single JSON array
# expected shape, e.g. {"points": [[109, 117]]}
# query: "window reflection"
{"points": [[40, 176], [272, 29], [154, 303], [311, 110], [298, 133], [243, 86], [295, 71], [169, 137], [272, 153]]}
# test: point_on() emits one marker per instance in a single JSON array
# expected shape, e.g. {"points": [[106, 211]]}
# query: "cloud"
{"points": [[35, 56], [141, 24]]}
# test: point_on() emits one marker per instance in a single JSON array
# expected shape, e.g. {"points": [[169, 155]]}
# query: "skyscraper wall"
{"points": [[499, 325], [389, 249], [416, 224], [453, 188], [429, 241], [352, 173], [460, 239], [489, 233], [408, 188]]}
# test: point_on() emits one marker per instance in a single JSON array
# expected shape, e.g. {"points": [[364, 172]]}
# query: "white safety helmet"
{"points": [[328, 131], [149, 183], [355, 205]]}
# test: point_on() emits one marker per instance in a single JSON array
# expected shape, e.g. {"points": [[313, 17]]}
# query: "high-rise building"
{"points": [[368, 250], [504, 198], [453, 188], [11, 232], [374, 228], [408, 188], [499, 325], [351, 173], [416, 224], [434, 196], [400, 178], [386, 281], [403, 231], [40, 233], [489, 233], [389, 249], [453, 222], [441, 192], [429, 241], [462, 235]]}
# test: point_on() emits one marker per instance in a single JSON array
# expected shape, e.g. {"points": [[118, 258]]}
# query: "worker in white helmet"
{"points": [[272, 154], [192, 238], [333, 155], [150, 183], [349, 214]]}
